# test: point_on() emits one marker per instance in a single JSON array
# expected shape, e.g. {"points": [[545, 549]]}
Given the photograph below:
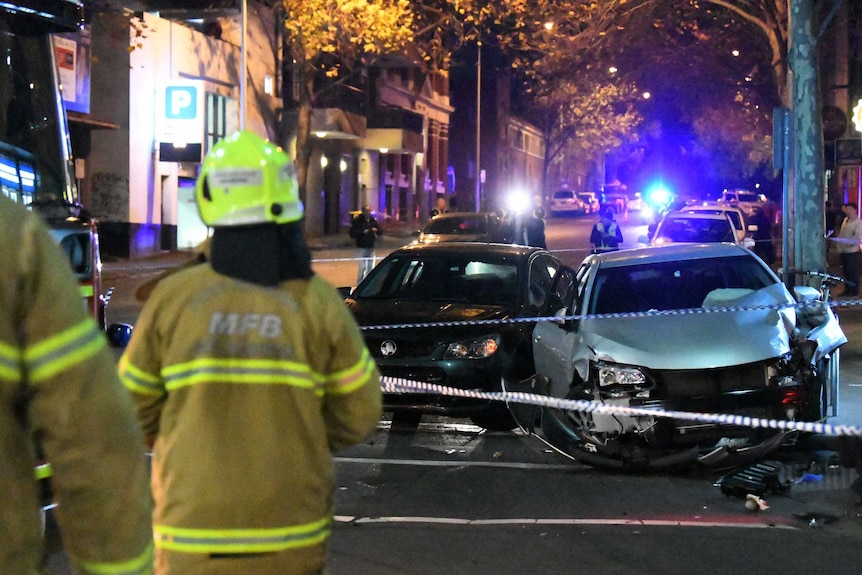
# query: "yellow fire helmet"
{"points": [[246, 180]]}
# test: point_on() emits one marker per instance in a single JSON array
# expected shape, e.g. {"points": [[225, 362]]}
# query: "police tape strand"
{"points": [[621, 315], [400, 385]]}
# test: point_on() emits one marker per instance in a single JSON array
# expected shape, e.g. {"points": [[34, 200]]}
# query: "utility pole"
{"points": [[479, 126], [242, 65]]}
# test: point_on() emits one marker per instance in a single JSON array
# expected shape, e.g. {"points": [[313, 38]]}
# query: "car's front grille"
{"points": [[693, 383], [403, 348]]}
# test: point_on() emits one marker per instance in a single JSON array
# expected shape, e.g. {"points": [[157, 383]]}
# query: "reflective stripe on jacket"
{"points": [[244, 392], [610, 233], [58, 383]]}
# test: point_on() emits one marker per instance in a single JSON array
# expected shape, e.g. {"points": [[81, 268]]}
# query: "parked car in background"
{"points": [[463, 227], [566, 202], [454, 282], [733, 213], [639, 207], [636, 204], [769, 360], [749, 202], [591, 202], [695, 227]]}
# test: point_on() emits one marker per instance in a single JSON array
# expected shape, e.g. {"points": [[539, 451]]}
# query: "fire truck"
{"points": [[36, 166]]}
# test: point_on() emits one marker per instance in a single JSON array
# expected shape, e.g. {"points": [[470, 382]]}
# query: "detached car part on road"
{"points": [[772, 360], [454, 282]]}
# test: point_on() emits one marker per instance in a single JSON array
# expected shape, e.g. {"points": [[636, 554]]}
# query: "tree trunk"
{"points": [[808, 167], [303, 131]]}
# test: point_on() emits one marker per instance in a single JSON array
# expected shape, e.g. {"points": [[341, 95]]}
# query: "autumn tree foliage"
{"points": [[541, 38], [334, 37]]}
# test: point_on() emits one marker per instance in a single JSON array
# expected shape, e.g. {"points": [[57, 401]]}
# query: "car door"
{"points": [[738, 224], [543, 287], [555, 341], [543, 270]]}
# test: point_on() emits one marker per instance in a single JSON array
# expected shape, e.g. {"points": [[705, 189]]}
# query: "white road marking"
{"points": [[436, 463], [628, 522]]}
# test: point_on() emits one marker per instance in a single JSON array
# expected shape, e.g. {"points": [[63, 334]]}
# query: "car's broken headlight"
{"points": [[614, 378], [479, 348]]}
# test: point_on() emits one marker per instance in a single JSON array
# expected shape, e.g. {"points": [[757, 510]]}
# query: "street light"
{"points": [[478, 125], [242, 83]]}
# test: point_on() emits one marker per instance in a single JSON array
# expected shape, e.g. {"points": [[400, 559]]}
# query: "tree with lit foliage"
{"points": [[704, 66], [337, 37], [581, 115]]}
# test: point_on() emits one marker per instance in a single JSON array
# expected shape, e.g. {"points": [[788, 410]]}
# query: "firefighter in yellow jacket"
{"points": [[59, 389], [248, 371]]}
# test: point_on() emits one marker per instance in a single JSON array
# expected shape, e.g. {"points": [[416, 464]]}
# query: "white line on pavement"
{"points": [[627, 522]]}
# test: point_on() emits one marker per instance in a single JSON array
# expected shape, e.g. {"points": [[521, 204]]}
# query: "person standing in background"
{"points": [[847, 245], [440, 207], [763, 244], [606, 235], [365, 230]]}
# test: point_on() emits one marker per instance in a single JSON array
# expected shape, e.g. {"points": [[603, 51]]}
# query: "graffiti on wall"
{"points": [[110, 197]]}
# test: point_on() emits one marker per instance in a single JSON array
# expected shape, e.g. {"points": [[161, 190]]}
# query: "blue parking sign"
{"points": [[181, 102]]}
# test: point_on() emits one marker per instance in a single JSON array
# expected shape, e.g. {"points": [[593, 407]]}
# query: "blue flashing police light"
{"points": [[658, 194]]}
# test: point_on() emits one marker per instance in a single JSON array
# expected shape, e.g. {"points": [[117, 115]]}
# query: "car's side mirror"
{"points": [[119, 334], [643, 240], [560, 315], [345, 291]]}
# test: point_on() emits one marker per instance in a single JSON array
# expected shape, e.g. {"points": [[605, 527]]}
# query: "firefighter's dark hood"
{"points": [[264, 254]]}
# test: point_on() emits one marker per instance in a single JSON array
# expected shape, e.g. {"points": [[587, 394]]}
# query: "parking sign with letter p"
{"points": [[180, 102]]}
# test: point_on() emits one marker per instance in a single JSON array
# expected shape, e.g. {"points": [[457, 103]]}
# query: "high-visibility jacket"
{"points": [[245, 391], [606, 236], [59, 387]]}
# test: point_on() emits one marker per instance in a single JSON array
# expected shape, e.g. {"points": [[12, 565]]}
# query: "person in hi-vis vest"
{"points": [[606, 235]]}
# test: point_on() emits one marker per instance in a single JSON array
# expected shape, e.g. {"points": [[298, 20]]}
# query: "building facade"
{"points": [[165, 86]]}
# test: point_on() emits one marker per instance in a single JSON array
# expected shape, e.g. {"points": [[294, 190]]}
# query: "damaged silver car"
{"points": [[741, 346]]}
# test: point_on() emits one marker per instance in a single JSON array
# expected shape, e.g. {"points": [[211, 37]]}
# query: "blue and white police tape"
{"points": [[400, 385], [650, 313]]}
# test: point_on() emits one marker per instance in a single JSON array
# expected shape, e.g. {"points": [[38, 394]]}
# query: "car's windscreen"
{"points": [[674, 285], [456, 226], [563, 195], [457, 278], [734, 217], [694, 230]]}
